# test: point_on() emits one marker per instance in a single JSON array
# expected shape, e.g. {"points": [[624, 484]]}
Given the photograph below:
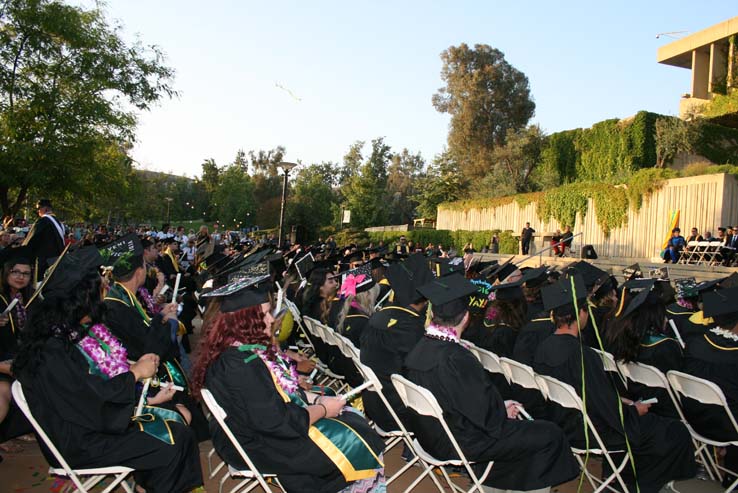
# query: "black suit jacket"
{"points": [[44, 242]]}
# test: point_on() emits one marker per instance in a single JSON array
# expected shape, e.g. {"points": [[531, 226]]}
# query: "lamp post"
{"points": [[286, 167], [169, 201]]}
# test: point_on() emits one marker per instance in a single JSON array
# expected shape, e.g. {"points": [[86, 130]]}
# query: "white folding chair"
{"points": [[705, 392], [96, 474], [608, 362], [326, 334], [520, 374], [564, 395], [491, 362], [422, 401], [250, 477], [297, 317]]}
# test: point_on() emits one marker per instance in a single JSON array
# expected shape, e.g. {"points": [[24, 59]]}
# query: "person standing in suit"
{"points": [[46, 238], [525, 237]]}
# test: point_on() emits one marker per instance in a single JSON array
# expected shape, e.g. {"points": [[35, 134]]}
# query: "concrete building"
{"points": [[711, 55]]}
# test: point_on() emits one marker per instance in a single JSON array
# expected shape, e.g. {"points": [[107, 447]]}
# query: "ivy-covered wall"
{"points": [[609, 150]]}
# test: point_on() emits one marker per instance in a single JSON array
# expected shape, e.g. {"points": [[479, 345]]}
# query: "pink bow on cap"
{"points": [[348, 287]]}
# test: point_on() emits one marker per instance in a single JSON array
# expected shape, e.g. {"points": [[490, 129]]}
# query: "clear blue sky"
{"points": [[369, 69]]}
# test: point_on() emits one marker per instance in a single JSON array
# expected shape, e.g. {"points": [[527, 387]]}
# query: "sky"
{"points": [[317, 76]]}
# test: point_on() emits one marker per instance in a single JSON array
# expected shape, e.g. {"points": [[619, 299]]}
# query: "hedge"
{"points": [[447, 238]]}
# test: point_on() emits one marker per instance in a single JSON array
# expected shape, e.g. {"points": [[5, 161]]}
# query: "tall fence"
{"points": [[705, 202]]}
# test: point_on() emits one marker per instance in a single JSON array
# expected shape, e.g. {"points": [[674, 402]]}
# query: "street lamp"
{"points": [[286, 167], [169, 201]]}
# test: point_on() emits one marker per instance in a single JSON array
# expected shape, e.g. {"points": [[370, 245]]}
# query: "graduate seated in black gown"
{"points": [[82, 389], [714, 357], [313, 444], [527, 455], [662, 449], [359, 292], [504, 317]]}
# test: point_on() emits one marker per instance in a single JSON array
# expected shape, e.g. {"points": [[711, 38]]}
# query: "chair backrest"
{"points": [[647, 375], [608, 362], [520, 374], [370, 376], [491, 362], [20, 400], [473, 349], [220, 416], [559, 392], [693, 243]]}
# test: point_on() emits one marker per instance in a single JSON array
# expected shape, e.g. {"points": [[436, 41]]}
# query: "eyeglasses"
{"points": [[20, 273]]}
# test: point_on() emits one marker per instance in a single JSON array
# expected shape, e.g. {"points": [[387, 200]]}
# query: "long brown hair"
{"points": [[222, 330]]}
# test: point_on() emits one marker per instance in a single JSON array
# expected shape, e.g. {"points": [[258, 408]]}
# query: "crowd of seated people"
{"points": [[103, 322]]}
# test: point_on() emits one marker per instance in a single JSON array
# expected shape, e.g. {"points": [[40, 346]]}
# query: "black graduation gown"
{"points": [[662, 447], [530, 337], [127, 324], [387, 338], [89, 420], [527, 455], [45, 243], [15, 423], [354, 325], [272, 432], [680, 316], [498, 338]]}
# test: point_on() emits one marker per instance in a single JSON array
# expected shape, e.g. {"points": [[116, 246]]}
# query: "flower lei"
{"points": [[284, 372], [685, 304], [105, 350], [151, 306], [724, 333], [20, 311], [447, 334]]}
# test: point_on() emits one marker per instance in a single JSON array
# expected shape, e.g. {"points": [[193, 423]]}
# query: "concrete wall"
{"points": [[705, 202]]}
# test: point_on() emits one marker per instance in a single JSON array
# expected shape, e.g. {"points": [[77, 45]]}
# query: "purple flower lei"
{"points": [[283, 371], [105, 350], [151, 306]]}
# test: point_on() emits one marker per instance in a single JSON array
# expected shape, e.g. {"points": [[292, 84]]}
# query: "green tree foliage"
{"points": [[312, 198], [486, 98], [402, 178], [69, 89], [234, 200], [365, 193], [267, 179], [674, 136], [443, 182]]}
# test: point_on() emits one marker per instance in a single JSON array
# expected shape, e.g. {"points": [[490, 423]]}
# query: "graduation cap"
{"points": [[509, 291], [448, 295], [659, 273], [632, 272], [17, 255], [357, 280], [168, 240], [479, 300], [242, 293], [443, 267], [304, 265], [123, 255], [720, 303], [643, 289], [730, 282], [532, 278], [250, 271], [405, 277], [562, 294], [375, 263], [686, 288], [277, 265], [502, 271], [67, 271], [488, 267], [706, 286], [591, 275]]}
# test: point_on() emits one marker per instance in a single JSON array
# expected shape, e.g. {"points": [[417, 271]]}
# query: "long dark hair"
{"points": [[59, 317], [509, 312], [623, 336], [311, 296]]}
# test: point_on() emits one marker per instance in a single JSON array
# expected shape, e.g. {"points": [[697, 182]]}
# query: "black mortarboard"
{"points": [[43, 203], [249, 271], [168, 240], [242, 293], [443, 267], [488, 268], [502, 271], [643, 289], [705, 286], [405, 277], [124, 255], [591, 275], [304, 265], [481, 265], [449, 295], [17, 255], [362, 279], [479, 300], [639, 284], [509, 291], [686, 288], [277, 265], [632, 272], [533, 278], [720, 302], [375, 263], [730, 282], [561, 294], [66, 272]]}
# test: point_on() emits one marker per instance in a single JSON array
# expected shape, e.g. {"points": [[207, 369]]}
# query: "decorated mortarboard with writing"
{"points": [[448, 294], [632, 272], [686, 287], [564, 292], [250, 271], [357, 280], [720, 302], [478, 301], [123, 255], [443, 266], [242, 293]]}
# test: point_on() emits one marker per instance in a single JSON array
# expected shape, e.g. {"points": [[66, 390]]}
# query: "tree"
{"points": [[312, 198], [234, 199], [403, 175], [674, 136], [366, 193], [69, 87], [443, 182], [267, 181], [486, 98]]}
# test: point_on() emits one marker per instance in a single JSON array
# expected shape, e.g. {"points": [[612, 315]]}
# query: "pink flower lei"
{"points": [[151, 305], [283, 371], [448, 334], [105, 351]]}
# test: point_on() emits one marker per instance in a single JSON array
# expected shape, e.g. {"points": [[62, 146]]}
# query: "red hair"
{"points": [[221, 331]]}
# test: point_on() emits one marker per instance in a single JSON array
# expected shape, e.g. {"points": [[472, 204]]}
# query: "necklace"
{"points": [[108, 354], [724, 333], [284, 372]]}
